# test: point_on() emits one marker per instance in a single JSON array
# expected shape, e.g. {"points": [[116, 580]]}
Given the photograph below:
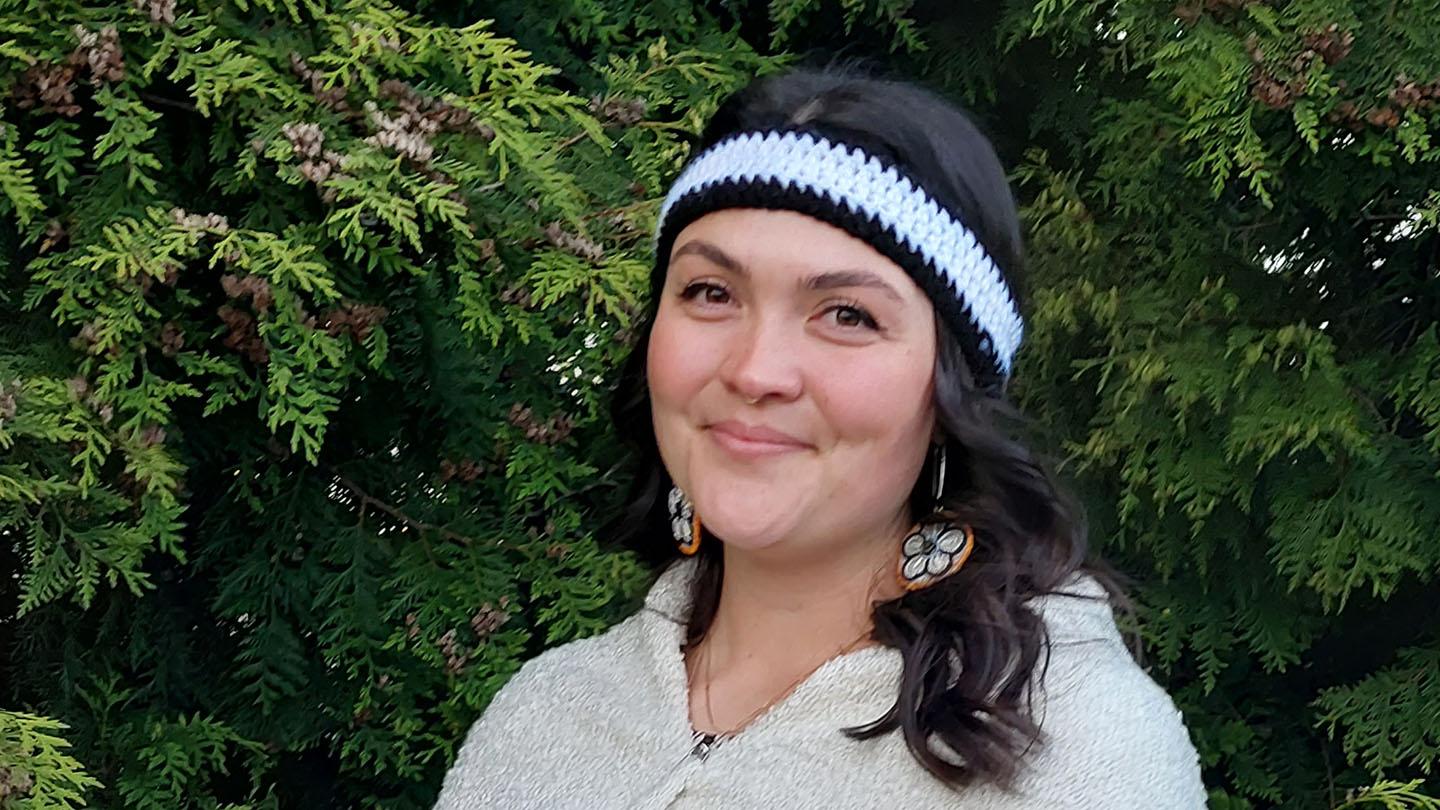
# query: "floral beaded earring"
{"points": [[684, 522], [933, 551]]}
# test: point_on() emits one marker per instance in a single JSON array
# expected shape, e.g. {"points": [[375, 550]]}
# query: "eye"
{"points": [[706, 293], [852, 316]]}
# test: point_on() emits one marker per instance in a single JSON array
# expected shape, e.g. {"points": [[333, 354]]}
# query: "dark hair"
{"points": [[969, 643]]}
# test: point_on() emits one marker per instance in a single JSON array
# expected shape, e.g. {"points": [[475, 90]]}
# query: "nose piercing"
{"points": [[752, 401]]}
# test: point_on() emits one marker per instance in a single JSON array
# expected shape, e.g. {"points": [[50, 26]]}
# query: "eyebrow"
{"points": [[828, 280]]}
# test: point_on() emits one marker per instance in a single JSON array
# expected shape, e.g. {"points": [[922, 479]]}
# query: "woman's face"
{"points": [[790, 372]]}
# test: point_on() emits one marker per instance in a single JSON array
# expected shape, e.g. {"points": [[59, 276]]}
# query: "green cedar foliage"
{"points": [[309, 315], [35, 770]]}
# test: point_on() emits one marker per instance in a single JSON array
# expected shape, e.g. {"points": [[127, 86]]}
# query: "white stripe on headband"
{"points": [[871, 189]]}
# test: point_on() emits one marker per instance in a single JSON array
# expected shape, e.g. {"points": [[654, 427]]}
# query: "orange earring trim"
{"points": [[689, 548]]}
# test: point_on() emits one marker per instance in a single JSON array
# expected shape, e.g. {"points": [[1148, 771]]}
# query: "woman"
{"points": [[876, 598]]}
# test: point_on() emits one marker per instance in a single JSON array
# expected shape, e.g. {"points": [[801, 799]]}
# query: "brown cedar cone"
{"points": [[489, 618], [358, 32], [466, 470], [9, 400], [306, 139], [444, 116], [50, 86], [520, 415], [1384, 117], [1406, 93], [519, 296], [455, 660], [55, 236], [365, 317], [172, 339], [1252, 47], [151, 436], [89, 337], [455, 664], [255, 288], [355, 319], [1302, 62], [573, 243], [162, 12], [243, 337], [315, 172], [1331, 44], [332, 97], [1346, 114], [549, 432], [623, 223], [1271, 93], [15, 783], [408, 133], [100, 51], [200, 222], [621, 112]]}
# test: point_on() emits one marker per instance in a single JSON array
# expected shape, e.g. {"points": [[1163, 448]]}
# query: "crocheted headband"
{"points": [[870, 199]]}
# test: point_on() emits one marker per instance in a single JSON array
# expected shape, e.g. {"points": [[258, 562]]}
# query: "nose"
{"points": [[763, 363]]}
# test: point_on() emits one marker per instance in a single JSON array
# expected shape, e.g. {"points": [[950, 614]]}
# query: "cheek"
{"points": [[674, 370], [881, 404]]}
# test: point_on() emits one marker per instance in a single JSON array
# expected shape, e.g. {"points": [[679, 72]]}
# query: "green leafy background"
{"points": [[310, 311]]}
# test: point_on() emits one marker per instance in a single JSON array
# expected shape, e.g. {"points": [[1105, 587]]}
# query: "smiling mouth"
{"points": [[749, 442]]}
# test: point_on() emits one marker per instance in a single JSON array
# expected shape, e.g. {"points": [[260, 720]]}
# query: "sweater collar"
{"points": [[852, 689], [670, 595], [1078, 611]]}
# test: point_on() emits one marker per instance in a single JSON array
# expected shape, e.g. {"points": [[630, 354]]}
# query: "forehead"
{"points": [[776, 243]]}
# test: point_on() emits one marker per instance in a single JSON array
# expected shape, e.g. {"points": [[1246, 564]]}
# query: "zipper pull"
{"points": [[704, 744]]}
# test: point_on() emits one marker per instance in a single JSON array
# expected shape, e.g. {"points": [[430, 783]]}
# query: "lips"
{"points": [[756, 435]]}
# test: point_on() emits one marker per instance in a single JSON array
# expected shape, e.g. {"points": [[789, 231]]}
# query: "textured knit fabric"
{"points": [[874, 201], [603, 723]]}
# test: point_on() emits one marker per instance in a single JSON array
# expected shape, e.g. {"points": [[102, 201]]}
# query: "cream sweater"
{"points": [[603, 723]]}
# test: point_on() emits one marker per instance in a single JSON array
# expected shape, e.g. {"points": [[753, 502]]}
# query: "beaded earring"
{"points": [[684, 522], [933, 551]]}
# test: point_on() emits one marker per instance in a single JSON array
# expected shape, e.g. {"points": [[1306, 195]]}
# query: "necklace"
{"points": [[769, 704]]}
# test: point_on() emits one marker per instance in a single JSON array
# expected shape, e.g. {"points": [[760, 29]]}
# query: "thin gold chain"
{"points": [[769, 704]]}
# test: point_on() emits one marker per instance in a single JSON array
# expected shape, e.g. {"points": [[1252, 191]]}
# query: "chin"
{"points": [[745, 540], [752, 509], [750, 526]]}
